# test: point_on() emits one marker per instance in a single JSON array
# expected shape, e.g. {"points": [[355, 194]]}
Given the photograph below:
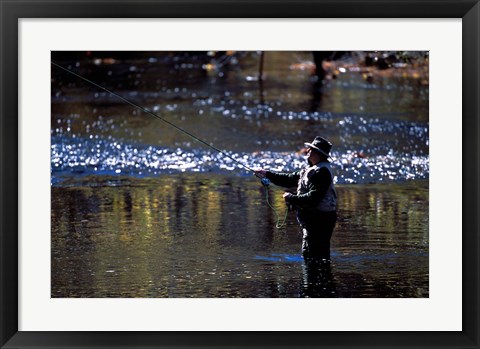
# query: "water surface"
{"points": [[215, 236], [142, 210]]}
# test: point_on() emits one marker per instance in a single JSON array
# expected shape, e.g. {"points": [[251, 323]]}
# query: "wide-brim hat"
{"points": [[321, 145]]}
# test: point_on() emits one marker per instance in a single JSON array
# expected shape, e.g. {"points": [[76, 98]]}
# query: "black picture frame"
{"points": [[12, 11]]}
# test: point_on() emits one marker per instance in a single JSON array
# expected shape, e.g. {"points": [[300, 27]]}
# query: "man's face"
{"points": [[312, 156], [309, 153]]}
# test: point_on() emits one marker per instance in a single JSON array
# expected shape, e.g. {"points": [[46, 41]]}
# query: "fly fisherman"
{"points": [[316, 199]]}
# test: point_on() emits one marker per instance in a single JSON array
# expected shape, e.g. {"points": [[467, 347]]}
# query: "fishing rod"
{"points": [[265, 181], [145, 110]]}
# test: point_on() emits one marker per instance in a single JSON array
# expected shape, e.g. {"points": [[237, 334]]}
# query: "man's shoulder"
{"points": [[320, 173]]}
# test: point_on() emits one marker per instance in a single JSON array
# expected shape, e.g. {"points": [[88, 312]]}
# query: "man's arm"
{"points": [[286, 180]]}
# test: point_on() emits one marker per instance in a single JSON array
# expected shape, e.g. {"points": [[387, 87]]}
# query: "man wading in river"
{"points": [[316, 199]]}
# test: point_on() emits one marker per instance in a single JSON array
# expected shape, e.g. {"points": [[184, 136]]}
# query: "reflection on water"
{"points": [[379, 126], [318, 279], [214, 236]]}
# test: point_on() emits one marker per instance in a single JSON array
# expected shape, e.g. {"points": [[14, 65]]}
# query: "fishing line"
{"points": [[265, 181], [278, 225], [157, 116]]}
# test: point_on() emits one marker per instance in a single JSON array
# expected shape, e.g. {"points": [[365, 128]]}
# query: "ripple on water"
{"points": [[76, 156]]}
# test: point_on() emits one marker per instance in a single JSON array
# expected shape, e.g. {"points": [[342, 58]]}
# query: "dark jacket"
{"points": [[314, 188]]}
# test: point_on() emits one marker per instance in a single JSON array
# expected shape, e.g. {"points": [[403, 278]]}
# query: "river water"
{"points": [[139, 209]]}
